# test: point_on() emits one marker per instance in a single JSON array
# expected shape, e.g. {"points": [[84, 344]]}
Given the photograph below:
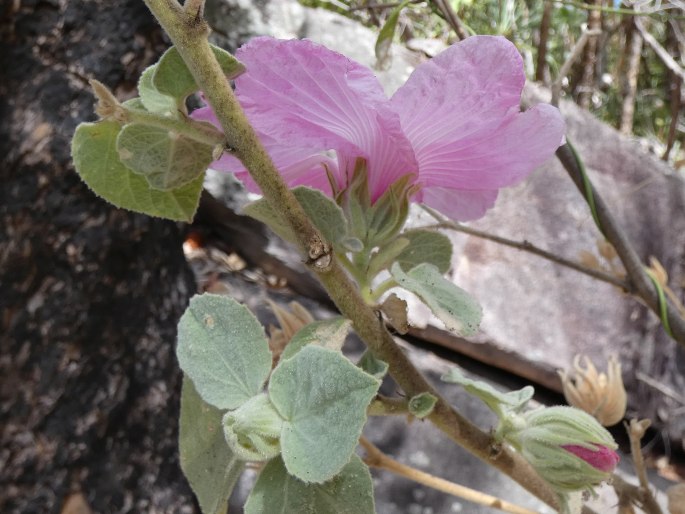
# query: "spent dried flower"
{"points": [[601, 395], [289, 321]]}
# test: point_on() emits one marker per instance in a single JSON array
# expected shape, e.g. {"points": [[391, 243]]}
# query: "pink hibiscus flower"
{"points": [[455, 125]]}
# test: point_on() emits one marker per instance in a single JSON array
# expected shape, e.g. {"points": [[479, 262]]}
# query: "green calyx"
{"points": [[253, 430], [375, 223]]}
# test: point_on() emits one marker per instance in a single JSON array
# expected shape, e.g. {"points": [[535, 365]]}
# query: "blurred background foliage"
{"points": [[630, 75]]}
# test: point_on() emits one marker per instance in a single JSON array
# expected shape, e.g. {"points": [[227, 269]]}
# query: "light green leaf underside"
{"points": [[167, 160], [426, 246], [329, 333], [324, 212], [173, 78], [223, 349], [452, 305], [277, 492], [152, 99], [97, 161], [206, 460], [323, 398], [496, 400]]}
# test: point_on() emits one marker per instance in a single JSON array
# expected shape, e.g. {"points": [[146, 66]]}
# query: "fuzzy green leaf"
{"points": [[96, 160], [498, 401], [277, 492], [223, 349], [206, 460], [422, 404], [152, 99], [452, 305], [173, 78], [166, 159], [323, 398], [323, 212], [426, 246], [329, 333]]}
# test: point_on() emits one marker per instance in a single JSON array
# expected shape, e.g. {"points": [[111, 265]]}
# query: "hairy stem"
{"points": [[189, 35]]}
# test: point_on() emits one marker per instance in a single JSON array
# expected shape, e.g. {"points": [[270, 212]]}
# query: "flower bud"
{"points": [[600, 395], [253, 430], [567, 446]]}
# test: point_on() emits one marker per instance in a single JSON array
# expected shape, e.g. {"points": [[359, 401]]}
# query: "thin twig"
{"points": [[633, 55], [586, 85], [527, 247], [638, 279], [566, 67], [663, 389], [660, 51], [377, 459], [451, 17], [636, 431], [612, 10], [541, 69]]}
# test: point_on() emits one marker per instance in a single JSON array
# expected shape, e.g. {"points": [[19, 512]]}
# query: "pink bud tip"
{"points": [[603, 459]]}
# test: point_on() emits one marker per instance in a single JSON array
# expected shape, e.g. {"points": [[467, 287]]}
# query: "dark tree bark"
{"points": [[90, 294]]}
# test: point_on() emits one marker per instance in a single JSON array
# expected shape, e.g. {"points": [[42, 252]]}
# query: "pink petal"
{"points": [[463, 92], [502, 157], [458, 205], [603, 459], [299, 166], [305, 95], [460, 111]]}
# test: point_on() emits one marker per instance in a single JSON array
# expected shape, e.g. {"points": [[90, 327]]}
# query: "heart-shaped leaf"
{"points": [[452, 305], [223, 349], [168, 160], [323, 398], [277, 492], [206, 460], [96, 160]]}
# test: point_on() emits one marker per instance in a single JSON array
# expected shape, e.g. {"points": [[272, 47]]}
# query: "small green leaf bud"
{"points": [[567, 446], [253, 430], [422, 405]]}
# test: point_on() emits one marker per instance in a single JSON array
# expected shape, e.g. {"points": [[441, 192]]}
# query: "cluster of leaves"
{"points": [[520, 21], [306, 423], [147, 155]]}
